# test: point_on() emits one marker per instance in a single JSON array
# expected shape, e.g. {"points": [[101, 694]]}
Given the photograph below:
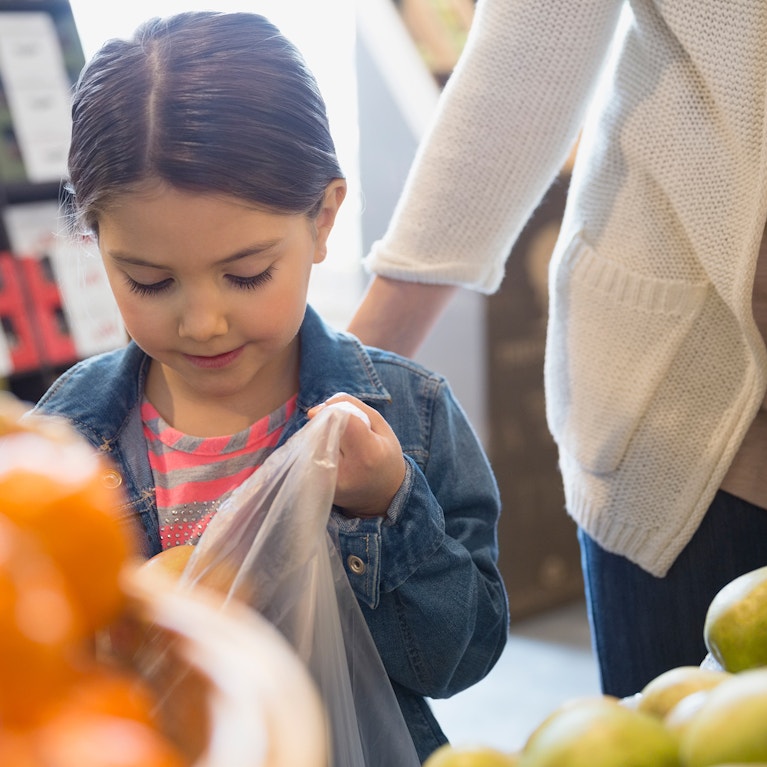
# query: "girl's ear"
{"points": [[335, 192]]}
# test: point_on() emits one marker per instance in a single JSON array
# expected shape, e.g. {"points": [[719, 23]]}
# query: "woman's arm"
{"points": [[398, 315], [505, 124]]}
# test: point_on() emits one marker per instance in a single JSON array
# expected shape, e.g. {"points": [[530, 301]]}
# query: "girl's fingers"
{"points": [[348, 403]]}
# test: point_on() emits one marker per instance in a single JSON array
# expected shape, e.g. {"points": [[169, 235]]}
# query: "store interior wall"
{"points": [[391, 87]]}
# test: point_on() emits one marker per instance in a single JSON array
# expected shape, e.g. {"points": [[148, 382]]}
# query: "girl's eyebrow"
{"points": [[250, 250]]}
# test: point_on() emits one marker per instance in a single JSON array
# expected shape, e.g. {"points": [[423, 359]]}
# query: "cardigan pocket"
{"points": [[612, 337]]}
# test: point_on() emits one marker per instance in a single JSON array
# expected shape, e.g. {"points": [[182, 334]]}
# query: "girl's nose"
{"points": [[202, 319]]}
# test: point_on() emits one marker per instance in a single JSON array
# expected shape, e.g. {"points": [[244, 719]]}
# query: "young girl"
{"points": [[202, 164]]}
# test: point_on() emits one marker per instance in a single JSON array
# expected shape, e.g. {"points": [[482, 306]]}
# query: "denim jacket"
{"points": [[430, 589]]}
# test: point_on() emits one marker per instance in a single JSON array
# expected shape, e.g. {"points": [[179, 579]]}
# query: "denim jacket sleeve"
{"points": [[426, 576]]}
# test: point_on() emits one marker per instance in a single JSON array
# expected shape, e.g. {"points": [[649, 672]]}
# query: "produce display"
{"points": [[471, 756], [736, 622], [104, 661], [712, 715], [62, 553]]}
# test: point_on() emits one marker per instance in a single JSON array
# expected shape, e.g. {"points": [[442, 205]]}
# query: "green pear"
{"points": [[735, 631], [661, 694], [600, 732], [683, 713], [729, 727], [470, 756]]}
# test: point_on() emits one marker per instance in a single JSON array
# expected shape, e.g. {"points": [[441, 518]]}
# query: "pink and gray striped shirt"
{"points": [[193, 475]]}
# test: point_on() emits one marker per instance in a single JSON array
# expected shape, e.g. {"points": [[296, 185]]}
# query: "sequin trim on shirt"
{"points": [[193, 475]]}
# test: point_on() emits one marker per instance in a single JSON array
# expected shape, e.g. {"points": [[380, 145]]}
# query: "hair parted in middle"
{"points": [[207, 102]]}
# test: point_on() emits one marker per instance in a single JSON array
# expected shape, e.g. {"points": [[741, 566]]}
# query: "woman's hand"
{"points": [[371, 467]]}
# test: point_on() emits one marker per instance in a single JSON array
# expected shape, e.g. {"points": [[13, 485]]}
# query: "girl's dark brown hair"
{"points": [[206, 102]]}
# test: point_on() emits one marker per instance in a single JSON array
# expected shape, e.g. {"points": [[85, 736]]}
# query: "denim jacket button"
{"points": [[112, 479], [356, 565]]}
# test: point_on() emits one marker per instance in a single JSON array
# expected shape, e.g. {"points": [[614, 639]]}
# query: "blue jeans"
{"points": [[642, 625]]}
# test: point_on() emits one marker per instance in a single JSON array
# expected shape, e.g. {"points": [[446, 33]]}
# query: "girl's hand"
{"points": [[371, 467]]}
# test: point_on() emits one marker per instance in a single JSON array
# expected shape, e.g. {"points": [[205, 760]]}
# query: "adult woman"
{"points": [[655, 366]]}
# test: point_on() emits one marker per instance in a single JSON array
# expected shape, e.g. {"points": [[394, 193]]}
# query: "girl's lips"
{"points": [[217, 361]]}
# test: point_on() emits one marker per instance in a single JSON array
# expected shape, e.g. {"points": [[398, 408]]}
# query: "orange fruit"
{"points": [[170, 561], [106, 719], [53, 487], [17, 749], [209, 572], [39, 629], [98, 740], [109, 691]]}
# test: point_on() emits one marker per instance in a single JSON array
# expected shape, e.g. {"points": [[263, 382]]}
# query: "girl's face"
{"points": [[214, 292]]}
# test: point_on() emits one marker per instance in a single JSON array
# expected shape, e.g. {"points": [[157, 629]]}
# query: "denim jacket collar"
{"points": [[331, 362]]}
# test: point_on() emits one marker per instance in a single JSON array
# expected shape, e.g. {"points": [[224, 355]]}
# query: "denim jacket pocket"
{"points": [[613, 335]]}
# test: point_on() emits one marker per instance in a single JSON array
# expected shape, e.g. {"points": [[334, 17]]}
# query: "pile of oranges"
{"points": [[62, 552]]}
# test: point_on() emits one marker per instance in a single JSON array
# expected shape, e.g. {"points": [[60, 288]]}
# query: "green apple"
{"points": [[730, 725], [735, 630], [470, 756], [600, 732], [661, 694]]}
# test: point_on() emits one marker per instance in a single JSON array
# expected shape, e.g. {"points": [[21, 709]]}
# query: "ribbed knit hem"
{"points": [[462, 275], [653, 550], [589, 502], [645, 294]]}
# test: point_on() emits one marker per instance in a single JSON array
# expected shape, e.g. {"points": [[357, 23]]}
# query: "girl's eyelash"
{"points": [[250, 283], [246, 283], [148, 290]]}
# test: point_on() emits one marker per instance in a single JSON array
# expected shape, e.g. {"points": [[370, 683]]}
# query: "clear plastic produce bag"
{"points": [[272, 546]]}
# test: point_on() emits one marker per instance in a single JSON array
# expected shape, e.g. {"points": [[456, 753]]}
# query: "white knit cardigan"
{"points": [[654, 366]]}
